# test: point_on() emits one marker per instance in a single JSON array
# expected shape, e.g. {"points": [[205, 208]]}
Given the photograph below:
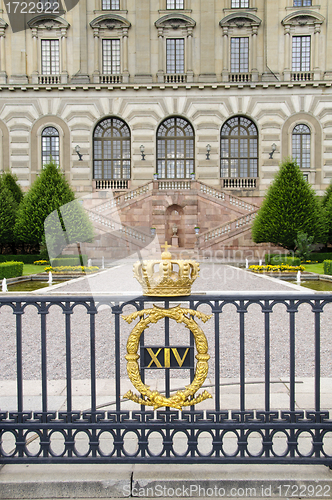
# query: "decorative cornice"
{"points": [[302, 18], [240, 20], [110, 22], [3, 24], [49, 21], [175, 21]]}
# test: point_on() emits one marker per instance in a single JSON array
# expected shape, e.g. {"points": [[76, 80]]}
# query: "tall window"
{"points": [[50, 57], [111, 150], [239, 148], [301, 53], [175, 149], [174, 4], [238, 4], [111, 57], [50, 145], [110, 4], [239, 55], [301, 145], [175, 55], [302, 3]]}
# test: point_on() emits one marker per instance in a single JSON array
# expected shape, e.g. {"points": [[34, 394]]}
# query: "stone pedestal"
{"points": [[175, 241]]}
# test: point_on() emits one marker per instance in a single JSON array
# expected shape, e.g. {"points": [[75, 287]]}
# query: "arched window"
{"points": [[301, 145], [239, 148], [50, 145], [175, 149], [111, 150]]}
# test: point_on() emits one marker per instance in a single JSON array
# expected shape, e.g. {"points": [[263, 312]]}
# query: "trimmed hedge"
{"points": [[327, 266], [320, 257], [11, 269], [68, 260], [26, 258], [275, 259]]}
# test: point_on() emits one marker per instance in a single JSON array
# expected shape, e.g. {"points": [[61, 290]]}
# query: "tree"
{"points": [[10, 181], [289, 206], [48, 194], [7, 215]]}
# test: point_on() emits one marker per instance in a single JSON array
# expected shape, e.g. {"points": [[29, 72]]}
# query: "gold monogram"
{"points": [[180, 398]]}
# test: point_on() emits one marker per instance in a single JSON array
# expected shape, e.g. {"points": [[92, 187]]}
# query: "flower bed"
{"points": [[71, 269], [281, 268]]}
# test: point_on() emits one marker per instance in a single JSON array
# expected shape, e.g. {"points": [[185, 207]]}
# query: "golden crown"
{"points": [[166, 282]]}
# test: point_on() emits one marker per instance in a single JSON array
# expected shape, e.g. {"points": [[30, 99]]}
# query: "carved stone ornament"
{"points": [[110, 22], [175, 21], [49, 22], [240, 20], [303, 18], [181, 398]]}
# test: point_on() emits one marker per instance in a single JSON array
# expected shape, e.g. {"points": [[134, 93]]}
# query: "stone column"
{"points": [[96, 72], [3, 76], [287, 69], [316, 59], [190, 73], [254, 70], [225, 69], [35, 51], [125, 72], [64, 72], [161, 71]]}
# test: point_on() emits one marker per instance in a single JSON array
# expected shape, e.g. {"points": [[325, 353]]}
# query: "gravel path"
{"points": [[213, 277]]}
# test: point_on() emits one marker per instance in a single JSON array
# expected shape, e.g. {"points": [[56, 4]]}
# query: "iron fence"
{"points": [[249, 334]]}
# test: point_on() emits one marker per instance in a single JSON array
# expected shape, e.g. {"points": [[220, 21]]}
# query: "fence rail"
{"points": [[84, 337]]}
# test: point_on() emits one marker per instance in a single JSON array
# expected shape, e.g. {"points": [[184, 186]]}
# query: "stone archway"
{"points": [[174, 217]]}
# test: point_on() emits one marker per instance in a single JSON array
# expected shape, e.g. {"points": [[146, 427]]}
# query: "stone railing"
{"points": [[302, 76], [49, 79], [229, 198], [111, 184], [175, 78], [227, 228], [240, 77], [111, 225], [239, 182], [164, 185], [121, 198], [110, 79]]}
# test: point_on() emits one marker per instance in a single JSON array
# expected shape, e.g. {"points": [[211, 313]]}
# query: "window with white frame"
{"points": [[239, 55], [301, 47], [239, 4], [302, 3], [50, 57], [175, 55], [175, 149], [301, 139], [50, 146], [239, 148], [110, 4], [174, 4], [111, 57], [111, 150]]}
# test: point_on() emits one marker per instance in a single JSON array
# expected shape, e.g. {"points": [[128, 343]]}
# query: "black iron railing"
{"points": [[250, 335]]}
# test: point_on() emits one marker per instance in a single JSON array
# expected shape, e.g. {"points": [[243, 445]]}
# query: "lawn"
{"points": [[315, 268], [32, 269]]}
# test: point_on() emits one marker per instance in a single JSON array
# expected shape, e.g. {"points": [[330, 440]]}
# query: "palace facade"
{"points": [[210, 96]]}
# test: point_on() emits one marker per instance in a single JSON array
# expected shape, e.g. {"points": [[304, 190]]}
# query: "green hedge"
{"points": [[68, 260], [320, 257], [11, 269], [275, 259], [26, 258], [327, 266]]}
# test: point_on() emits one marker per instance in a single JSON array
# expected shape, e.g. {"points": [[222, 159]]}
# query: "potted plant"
{"points": [[192, 176], [196, 229], [155, 176]]}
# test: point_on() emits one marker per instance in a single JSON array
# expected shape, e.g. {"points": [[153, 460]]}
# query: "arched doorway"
{"points": [[174, 224]]}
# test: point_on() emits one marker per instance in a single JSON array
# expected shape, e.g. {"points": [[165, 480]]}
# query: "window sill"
{"points": [[240, 9], [174, 11], [110, 12]]}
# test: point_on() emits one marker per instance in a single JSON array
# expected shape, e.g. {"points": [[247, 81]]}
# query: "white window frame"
{"points": [[103, 43], [239, 61], [241, 4], [49, 41]]}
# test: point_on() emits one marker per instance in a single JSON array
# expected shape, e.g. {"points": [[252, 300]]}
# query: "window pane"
{"points": [[301, 140], [301, 53], [50, 57], [111, 57], [111, 150], [239, 148], [174, 4], [239, 4], [175, 55], [302, 3], [110, 4], [240, 55], [175, 149], [50, 145]]}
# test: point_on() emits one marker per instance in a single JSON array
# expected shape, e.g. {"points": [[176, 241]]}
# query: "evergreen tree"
{"points": [[10, 181], [7, 216], [289, 206], [49, 192]]}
